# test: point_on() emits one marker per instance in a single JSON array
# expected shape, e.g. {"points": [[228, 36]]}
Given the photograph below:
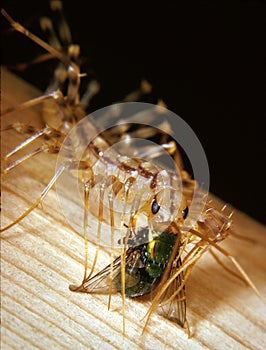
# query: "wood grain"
{"points": [[42, 255]]}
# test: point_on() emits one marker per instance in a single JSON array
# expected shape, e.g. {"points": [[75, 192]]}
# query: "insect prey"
{"points": [[148, 207]]}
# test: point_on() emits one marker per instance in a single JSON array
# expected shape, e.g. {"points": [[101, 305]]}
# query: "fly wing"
{"points": [[100, 283], [174, 308]]}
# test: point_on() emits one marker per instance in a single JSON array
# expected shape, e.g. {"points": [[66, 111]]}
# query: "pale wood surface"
{"points": [[42, 255]]}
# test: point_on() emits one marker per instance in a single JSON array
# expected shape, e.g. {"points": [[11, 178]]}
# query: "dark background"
{"points": [[205, 59]]}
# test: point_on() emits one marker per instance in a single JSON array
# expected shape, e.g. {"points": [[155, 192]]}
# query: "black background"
{"points": [[205, 59]]}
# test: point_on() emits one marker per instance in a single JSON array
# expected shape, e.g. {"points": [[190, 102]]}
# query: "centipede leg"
{"points": [[243, 274], [48, 29], [92, 89], [23, 128], [233, 273], [87, 189], [21, 29], [39, 200], [185, 267], [112, 226], [53, 95], [144, 89], [51, 147], [124, 241], [63, 27]]}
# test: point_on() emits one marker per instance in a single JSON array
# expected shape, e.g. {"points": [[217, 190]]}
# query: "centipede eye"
{"points": [[185, 212], [155, 207]]}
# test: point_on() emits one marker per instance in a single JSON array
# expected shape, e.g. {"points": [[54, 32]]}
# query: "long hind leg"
{"points": [[14, 184]]}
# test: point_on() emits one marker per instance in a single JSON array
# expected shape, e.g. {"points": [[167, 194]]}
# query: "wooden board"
{"points": [[42, 255]]}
